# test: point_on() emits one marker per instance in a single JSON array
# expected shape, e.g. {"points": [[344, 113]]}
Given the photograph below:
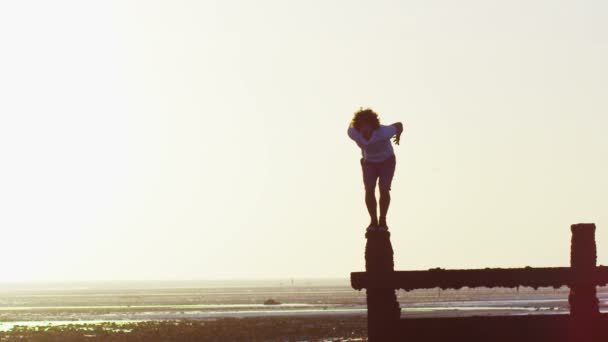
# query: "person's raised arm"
{"points": [[399, 129], [354, 134], [387, 132]]}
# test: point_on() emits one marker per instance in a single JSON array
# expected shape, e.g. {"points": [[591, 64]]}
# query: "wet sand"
{"points": [[330, 328], [310, 311]]}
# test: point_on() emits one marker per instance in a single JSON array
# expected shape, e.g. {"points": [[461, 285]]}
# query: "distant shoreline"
{"points": [[168, 284]]}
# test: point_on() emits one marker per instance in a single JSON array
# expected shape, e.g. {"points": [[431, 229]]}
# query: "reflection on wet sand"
{"points": [[125, 309]]}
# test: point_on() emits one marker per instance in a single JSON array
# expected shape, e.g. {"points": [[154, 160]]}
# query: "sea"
{"points": [[62, 303]]}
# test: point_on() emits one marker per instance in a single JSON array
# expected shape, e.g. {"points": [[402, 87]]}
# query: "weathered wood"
{"points": [[383, 310], [584, 324], [584, 306], [489, 277]]}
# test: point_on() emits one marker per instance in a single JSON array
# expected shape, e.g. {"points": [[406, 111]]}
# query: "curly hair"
{"points": [[366, 115]]}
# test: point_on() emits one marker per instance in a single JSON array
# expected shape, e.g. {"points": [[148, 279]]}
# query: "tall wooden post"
{"points": [[383, 310], [584, 309]]}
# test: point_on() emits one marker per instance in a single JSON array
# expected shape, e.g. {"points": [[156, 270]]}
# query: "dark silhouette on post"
{"points": [[584, 323], [378, 161]]}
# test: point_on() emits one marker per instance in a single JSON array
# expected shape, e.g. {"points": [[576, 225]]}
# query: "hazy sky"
{"points": [[207, 139]]}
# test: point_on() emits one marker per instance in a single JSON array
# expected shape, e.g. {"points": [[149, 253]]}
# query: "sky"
{"points": [[180, 140]]}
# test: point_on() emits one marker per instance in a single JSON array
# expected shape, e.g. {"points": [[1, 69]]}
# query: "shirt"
{"points": [[378, 148]]}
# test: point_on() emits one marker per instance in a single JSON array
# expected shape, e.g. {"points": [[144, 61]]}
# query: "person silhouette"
{"points": [[378, 161]]}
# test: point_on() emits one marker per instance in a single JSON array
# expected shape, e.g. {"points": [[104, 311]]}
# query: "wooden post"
{"points": [[383, 310], [584, 309]]}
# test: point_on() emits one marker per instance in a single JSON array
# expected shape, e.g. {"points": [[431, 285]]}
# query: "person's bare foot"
{"points": [[372, 227]]}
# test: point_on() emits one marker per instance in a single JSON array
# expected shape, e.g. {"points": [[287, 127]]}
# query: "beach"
{"points": [[302, 310]]}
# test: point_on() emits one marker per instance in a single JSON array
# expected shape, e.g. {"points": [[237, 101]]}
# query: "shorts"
{"points": [[381, 172]]}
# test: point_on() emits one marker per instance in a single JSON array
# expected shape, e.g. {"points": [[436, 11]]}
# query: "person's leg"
{"points": [[385, 202], [370, 177], [370, 202], [387, 172]]}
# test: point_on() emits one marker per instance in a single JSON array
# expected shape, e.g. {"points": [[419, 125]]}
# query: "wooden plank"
{"points": [[489, 277]]}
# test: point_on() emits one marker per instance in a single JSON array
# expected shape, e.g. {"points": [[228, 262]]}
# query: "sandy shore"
{"points": [[253, 329]]}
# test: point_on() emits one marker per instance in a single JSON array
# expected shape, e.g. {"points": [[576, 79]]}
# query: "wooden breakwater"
{"points": [[584, 323]]}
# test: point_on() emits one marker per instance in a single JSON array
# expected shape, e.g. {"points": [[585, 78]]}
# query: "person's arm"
{"points": [[386, 132], [399, 127], [354, 134]]}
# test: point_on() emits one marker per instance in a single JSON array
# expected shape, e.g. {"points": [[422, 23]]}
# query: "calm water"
{"points": [[60, 304]]}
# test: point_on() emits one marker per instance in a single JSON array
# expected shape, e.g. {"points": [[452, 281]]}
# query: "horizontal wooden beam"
{"points": [[488, 277]]}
